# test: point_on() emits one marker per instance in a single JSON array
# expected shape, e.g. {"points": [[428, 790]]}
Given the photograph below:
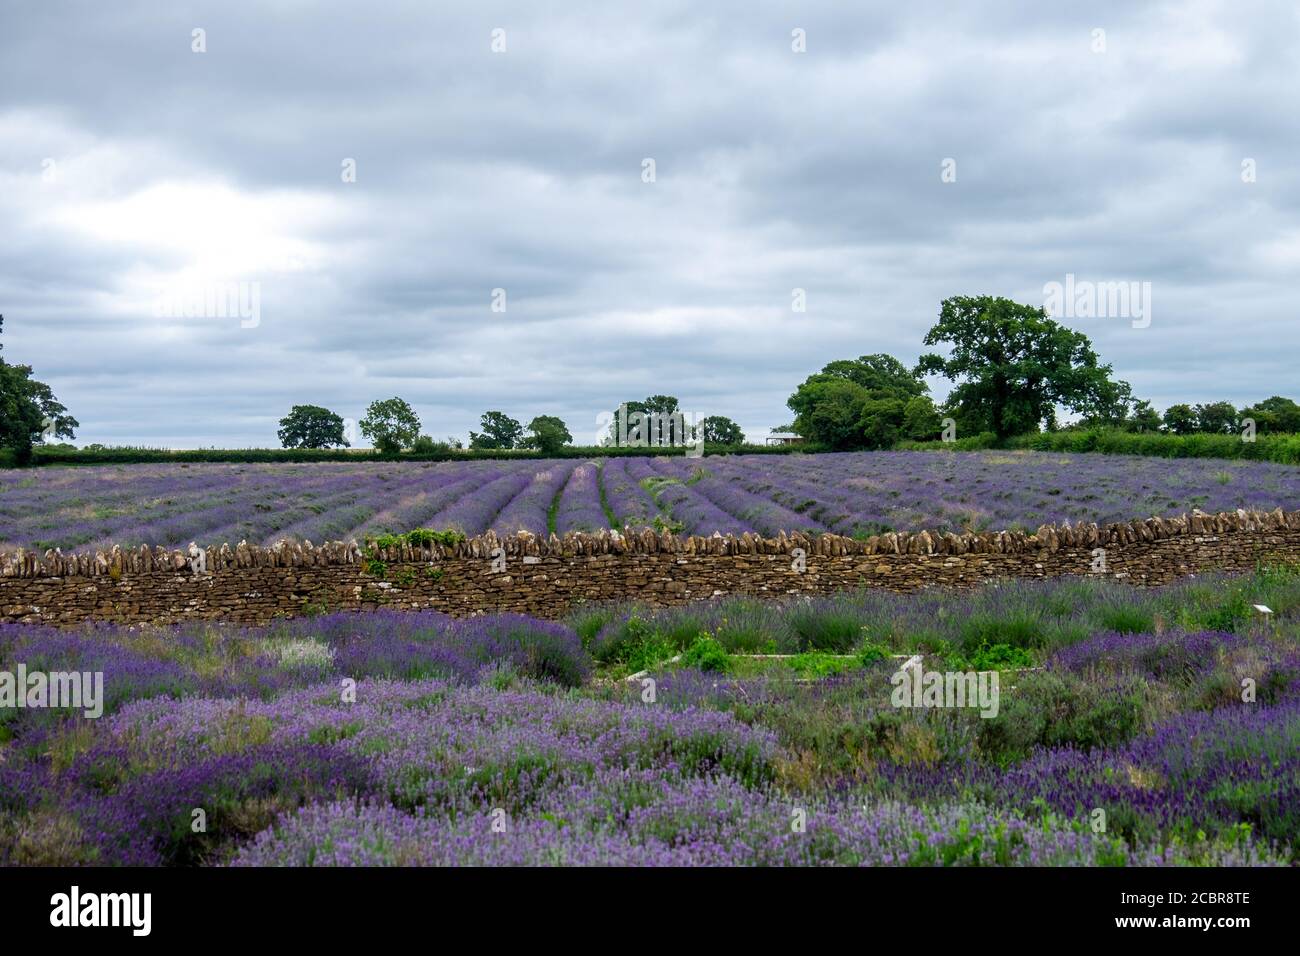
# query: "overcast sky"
{"points": [[134, 171]]}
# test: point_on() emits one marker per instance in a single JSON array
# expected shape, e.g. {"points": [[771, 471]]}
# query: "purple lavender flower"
{"points": [[580, 508]]}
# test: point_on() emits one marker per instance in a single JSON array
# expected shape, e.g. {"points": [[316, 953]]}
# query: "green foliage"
{"points": [[815, 665], [861, 403], [1051, 709], [1127, 619], [921, 420], [980, 442], [1180, 420], [657, 421], [617, 427], [500, 431], [880, 421], [745, 637], [500, 675], [1284, 449], [871, 653], [829, 412], [706, 654], [1275, 414], [1230, 614], [553, 509], [998, 657], [662, 524], [588, 620], [1216, 418], [605, 506], [638, 644], [1018, 628], [1014, 365], [443, 451], [649, 654], [391, 425], [547, 434], [423, 537], [720, 430], [991, 846], [1144, 418], [1115, 407], [311, 426], [824, 628], [29, 412], [425, 445], [419, 538]]}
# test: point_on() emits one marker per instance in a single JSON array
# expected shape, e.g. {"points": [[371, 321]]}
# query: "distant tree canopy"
{"points": [[868, 402], [500, 431], [29, 412], [616, 427], [427, 445], [721, 430], [660, 430], [311, 426], [1276, 414], [547, 434], [1216, 418], [391, 424], [1117, 408], [1180, 419], [1013, 366], [1143, 418]]}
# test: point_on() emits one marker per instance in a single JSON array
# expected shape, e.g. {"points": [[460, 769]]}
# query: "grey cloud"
{"points": [[522, 171]]}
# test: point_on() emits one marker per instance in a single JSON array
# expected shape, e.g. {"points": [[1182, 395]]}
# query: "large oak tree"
{"points": [[1013, 366], [311, 426]]}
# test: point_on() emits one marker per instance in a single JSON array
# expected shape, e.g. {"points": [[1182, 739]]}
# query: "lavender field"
{"points": [[851, 494], [412, 739]]}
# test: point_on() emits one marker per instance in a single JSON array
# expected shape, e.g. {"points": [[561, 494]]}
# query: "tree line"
{"points": [[1012, 368], [393, 426]]}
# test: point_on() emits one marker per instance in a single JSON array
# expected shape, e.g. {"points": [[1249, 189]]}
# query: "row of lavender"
{"points": [[170, 505], [849, 494]]}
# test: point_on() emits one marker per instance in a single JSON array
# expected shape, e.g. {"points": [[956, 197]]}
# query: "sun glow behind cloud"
{"points": [[212, 228], [188, 238]]}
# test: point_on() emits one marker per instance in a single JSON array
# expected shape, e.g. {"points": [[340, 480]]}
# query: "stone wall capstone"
{"points": [[547, 576]]}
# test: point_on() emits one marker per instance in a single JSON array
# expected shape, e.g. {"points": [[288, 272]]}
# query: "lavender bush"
{"points": [[709, 822], [411, 738], [579, 505]]}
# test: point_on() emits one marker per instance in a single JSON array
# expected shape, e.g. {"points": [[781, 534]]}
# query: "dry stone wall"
{"points": [[546, 576]]}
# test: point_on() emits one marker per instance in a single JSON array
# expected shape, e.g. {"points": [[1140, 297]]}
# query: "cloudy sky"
{"points": [[1111, 141]]}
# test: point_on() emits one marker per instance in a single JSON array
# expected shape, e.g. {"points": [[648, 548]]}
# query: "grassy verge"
{"points": [[604, 498]]}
